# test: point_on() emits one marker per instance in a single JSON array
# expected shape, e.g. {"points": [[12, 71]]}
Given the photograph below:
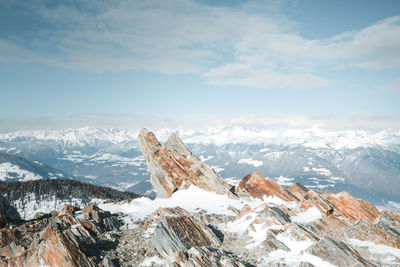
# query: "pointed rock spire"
{"points": [[174, 167]]}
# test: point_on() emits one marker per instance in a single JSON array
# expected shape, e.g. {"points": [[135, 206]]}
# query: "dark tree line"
{"points": [[63, 189]]}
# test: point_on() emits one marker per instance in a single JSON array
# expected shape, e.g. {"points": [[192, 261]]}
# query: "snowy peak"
{"points": [[14, 168], [314, 137], [73, 137]]}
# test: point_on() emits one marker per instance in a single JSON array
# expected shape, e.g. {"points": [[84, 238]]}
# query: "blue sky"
{"points": [[60, 58]]}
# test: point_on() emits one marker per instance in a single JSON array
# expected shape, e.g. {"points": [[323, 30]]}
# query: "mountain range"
{"points": [[365, 163]]}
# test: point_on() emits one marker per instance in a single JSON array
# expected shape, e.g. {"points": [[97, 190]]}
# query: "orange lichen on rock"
{"points": [[298, 190], [353, 208], [174, 167], [259, 186]]}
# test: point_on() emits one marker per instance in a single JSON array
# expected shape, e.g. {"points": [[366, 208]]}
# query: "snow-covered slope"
{"points": [[14, 168], [45, 196]]}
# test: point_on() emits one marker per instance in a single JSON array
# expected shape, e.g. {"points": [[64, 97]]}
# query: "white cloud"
{"points": [[251, 45], [245, 75]]}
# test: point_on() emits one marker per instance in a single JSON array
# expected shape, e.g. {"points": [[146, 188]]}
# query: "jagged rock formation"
{"points": [[173, 166], [258, 186], [328, 223], [337, 253], [60, 239]]}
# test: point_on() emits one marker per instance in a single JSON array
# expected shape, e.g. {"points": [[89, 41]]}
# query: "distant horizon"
{"points": [[331, 122]]}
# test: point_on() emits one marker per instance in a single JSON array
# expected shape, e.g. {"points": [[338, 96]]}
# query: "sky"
{"points": [[94, 59]]}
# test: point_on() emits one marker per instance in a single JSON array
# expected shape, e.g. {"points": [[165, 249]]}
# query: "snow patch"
{"points": [[284, 181], [310, 215], [153, 261], [250, 161], [10, 171]]}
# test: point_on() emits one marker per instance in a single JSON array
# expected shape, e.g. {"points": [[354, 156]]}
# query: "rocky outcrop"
{"points": [[181, 233], [187, 241], [174, 167], [353, 208], [7, 212], [366, 231], [58, 240], [316, 199], [298, 190], [205, 257], [337, 253], [258, 186]]}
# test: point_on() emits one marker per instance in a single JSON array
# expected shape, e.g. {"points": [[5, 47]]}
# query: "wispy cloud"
{"points": [[250, 45], [392, 86]]}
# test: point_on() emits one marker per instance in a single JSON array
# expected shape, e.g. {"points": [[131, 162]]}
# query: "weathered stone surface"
{"points": [[301, 232], [259, 186], [337, 253], [390, 222], [271, 243], [174, 167], [315, 199], [206, 256], [298, 190], [7, 212], [353, 208], [366, 231], [55, 240], [180, 233]]}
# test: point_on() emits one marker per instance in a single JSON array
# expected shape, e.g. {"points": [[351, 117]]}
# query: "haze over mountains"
{"points": [[366, 163]]}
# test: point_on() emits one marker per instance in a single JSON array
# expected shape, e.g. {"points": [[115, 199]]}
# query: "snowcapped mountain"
{"points": [[15, 168], [365, 163]]}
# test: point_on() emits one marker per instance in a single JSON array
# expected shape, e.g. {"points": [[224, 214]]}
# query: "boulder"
{"points": [[174, 167], [258, 186]]}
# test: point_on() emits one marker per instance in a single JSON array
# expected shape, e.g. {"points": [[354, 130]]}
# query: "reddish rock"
{"points": [[314, 198], [353, 208], [180, 233], [258, 186], [61, 249], [174, 167], [243, 212], [298, 190], [56, 240], [67, 210]]}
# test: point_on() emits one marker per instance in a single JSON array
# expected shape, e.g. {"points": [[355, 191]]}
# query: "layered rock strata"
{"points": [[59, 239], [173, 166]]}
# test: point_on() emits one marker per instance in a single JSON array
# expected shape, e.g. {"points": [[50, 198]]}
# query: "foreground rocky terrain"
{"points": [[200, 220]]}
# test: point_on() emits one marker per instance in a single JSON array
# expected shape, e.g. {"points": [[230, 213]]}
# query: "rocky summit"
{"points": [[198, 219], [173, 166]]}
